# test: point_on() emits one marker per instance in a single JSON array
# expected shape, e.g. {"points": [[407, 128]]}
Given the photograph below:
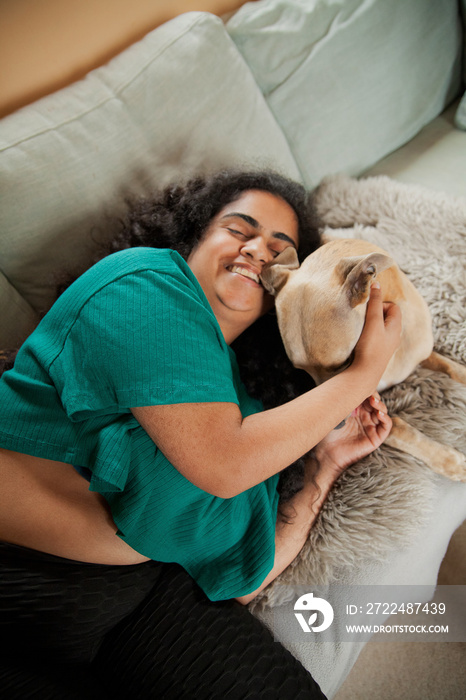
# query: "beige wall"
{"points": [[46, 44]]}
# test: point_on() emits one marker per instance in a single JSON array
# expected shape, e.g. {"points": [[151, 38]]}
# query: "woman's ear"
{"points": [[275, 274]]}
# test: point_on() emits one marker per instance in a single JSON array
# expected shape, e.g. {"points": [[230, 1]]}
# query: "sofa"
{"points": [[308, 87]]}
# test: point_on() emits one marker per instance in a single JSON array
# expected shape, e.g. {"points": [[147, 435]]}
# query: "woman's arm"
{"points": [[303, 508], [224, 454], [364, 431]]}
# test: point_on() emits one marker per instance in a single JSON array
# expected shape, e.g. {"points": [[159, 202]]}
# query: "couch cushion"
{"points": [[460, 116], [349, 81], [434, 158], [18, 319], [180, 100]]}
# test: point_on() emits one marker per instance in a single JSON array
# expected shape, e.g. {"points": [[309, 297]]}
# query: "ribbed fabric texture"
{"points": [[137, 330]]}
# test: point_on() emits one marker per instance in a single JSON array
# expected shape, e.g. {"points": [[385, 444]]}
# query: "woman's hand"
{"points": [[380, 335], [369, 424], [364, 430]]}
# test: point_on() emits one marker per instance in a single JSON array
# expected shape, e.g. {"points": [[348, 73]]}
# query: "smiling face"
{"points": [[227, 262]]}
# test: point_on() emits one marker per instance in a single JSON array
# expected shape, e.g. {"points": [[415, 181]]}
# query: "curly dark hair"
{"points": [[177, 217]]}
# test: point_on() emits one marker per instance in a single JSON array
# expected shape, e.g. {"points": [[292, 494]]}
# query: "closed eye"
{"points": [[238, 233], [248, 237]]}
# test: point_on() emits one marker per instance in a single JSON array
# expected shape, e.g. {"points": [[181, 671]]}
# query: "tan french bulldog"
{"points": [[321, 307]]}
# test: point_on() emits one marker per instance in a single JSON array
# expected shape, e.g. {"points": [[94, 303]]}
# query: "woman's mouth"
{"points": [[245, 272]]}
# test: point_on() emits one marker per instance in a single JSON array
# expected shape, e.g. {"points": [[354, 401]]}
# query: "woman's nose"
{"points": [[256, 250]]}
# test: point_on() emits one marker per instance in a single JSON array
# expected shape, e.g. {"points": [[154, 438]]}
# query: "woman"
{"points": [[130, 381]]}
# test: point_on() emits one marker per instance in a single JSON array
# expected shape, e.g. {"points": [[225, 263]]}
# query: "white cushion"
{"points": [[330, 662], [435, 158]]}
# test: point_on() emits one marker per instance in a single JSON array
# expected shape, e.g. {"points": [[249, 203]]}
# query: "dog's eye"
{"points": [[344, 365]]}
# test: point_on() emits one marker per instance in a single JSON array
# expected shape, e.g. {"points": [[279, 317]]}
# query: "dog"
{"points": [[321, 307]]}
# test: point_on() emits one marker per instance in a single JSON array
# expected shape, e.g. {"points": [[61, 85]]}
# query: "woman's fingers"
{"points": [[384, 425], [376, 402], [392, 315], [381, 333], [376, 308], [377, 411]]}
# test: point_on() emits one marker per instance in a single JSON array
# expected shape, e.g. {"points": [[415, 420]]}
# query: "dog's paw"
{"points": [[453, 466]]}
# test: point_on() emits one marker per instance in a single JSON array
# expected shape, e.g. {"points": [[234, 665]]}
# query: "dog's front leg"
{"points": [[441, 459]]}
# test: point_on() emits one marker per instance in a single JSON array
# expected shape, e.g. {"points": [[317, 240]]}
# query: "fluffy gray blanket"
{"points": [[379, 503]]}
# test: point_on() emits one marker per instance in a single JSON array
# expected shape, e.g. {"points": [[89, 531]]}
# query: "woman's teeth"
{"points": [[245, 272]]}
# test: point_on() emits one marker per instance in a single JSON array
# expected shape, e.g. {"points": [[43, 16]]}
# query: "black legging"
{"points": [[142, 632]]}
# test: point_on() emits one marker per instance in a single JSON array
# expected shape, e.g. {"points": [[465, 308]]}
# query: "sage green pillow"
{"points": [[179, 101], [17, 318], [460, 116], [349, 81]]}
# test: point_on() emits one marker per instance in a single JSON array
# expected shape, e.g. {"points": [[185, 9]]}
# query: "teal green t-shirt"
{"points": [[137, 330]]}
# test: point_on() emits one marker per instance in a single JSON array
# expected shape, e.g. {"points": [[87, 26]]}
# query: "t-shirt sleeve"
{"points": [[147, 338]]}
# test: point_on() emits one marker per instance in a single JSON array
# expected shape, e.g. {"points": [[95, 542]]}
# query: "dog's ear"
{"points": [[275, 274], [358, 273]]}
